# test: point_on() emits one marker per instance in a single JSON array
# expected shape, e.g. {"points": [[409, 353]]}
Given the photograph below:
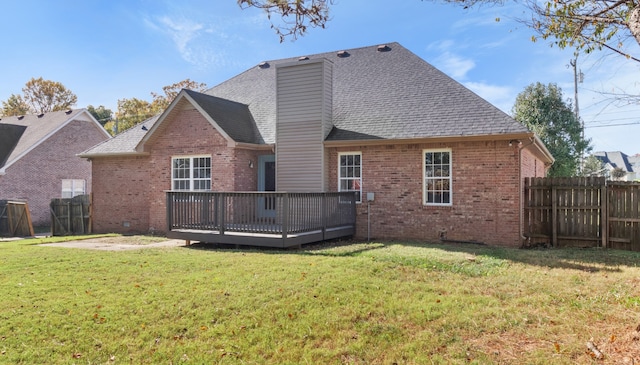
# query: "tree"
{"points": [[618, 173], [101, 113], [295, 15], [161, 102], [40, 96], [586, 25], [542, 109], [134, 111], [44, 96], [15, 105], [592, 166]]}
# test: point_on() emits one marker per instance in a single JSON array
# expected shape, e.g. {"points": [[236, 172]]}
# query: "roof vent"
{"points": [[384, 48], [264, 64], [343, 54], [40, 115], [303, 58], [68, 111], [20, 117]]}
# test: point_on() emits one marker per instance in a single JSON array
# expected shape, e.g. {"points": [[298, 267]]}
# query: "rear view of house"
{"points": [[423, 157], [38, 158]]}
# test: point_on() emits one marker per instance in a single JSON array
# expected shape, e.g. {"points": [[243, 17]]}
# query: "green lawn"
{"points": [[378, 303]]}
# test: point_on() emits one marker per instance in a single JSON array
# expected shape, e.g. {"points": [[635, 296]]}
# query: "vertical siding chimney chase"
{"points": [[304, 110]]}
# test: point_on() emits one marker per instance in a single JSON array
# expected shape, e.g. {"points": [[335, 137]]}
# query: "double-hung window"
{"points": [[73, 187], [437, 177], [191, 173], [350, 173]]}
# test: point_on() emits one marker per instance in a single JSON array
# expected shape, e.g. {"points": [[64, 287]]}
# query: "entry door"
{"points": [[267, 182]]}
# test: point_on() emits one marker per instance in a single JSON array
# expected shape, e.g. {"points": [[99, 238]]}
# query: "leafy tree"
{"points": [[296, 15], [161, 102], [618, 173], [586, 25], [592, 166], [15, 105], [101, 113], [40, 96], [47, 96], [542, 109], [134, 111]]}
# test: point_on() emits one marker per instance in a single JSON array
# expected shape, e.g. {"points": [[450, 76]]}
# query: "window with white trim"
{"points": [[73, 187], [350, 173], [191, 173], [437, 177]]}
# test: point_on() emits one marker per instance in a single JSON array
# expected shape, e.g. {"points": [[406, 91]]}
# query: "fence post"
{"points": [[554, 215], [604, 214]]}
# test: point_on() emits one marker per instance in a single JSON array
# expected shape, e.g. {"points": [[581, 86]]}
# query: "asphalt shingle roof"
{"points": [[376, 95], [234, 118], [619, 159], [24, 132]]}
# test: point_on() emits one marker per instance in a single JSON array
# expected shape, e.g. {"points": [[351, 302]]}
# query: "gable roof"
{"points": [[379, 93], [617, 159], [26, 132]]}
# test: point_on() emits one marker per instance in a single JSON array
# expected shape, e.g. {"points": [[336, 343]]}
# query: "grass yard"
{"points": [[377, 303]]}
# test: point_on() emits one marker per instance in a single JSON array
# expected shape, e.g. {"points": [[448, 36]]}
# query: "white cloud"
{"points": [[454, 65], [500, 96]]}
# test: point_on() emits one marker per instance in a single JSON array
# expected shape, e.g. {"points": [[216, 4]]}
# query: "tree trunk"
{"points": [[634, 23]]}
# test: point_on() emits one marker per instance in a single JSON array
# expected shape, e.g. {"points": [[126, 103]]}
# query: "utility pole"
{"points": [[578, 76]]}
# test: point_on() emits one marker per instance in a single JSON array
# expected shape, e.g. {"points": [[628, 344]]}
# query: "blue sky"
{"points": [[109, 50]]}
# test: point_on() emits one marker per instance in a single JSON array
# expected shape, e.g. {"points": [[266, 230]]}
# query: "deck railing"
{"points": [[270, 213]]}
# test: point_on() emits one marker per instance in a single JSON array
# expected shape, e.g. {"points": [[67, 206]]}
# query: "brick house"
{"points": [[427, 158], [38, 159]]}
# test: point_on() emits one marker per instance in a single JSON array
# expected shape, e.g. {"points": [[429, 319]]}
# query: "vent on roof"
{"points": [[68, 112], [20, 117], [264, 65], [303, 58], [384, 48], [343, 54], [40, 115]]}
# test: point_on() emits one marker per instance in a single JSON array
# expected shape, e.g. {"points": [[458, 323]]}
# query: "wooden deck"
{"points": [[269, 219]]}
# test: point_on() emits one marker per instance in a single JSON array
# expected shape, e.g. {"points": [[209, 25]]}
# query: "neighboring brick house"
{"points": [[38, 158], [441, 161]]}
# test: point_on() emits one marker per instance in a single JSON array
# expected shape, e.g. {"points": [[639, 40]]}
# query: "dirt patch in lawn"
{"points": [[119, 243]]}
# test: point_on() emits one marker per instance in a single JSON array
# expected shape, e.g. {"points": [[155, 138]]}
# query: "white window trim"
{"points": [[424, 177], [74, 188], [359, 153], [191, 179]]}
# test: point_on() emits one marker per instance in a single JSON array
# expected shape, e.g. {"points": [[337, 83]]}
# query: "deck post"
{"points": [[285, 218], [323, 213], [169, 211], [223, 210]]}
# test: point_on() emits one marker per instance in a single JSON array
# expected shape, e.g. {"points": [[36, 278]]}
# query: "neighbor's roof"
{"points": [[20, 134], [377, 95], [619, 159]]}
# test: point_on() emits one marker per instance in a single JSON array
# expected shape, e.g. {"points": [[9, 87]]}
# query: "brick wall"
{"points": [[37, 177], [486, 193], [133, 189]]}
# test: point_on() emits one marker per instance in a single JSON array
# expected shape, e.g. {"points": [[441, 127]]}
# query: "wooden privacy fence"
{"points": [[582, 212], [15, 219], [71, 216]]}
